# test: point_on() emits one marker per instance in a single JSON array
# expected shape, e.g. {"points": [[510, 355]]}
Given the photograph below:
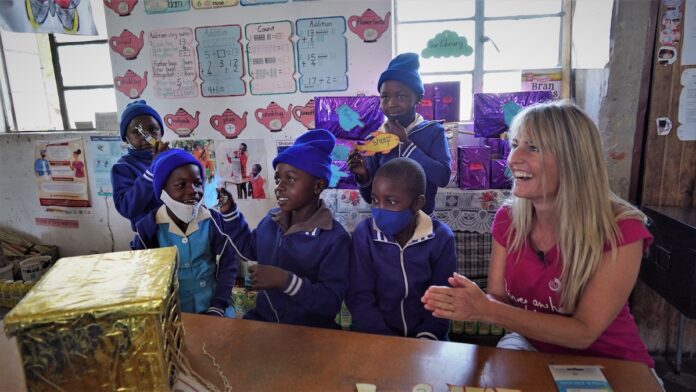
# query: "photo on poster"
{"points": [[204, 151], [242, 167], [60, 172], [667, 55]]}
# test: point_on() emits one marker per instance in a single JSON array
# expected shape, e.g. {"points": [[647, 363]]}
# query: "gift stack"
{"points": [[101, 322], [484, 165], [350, 119]]}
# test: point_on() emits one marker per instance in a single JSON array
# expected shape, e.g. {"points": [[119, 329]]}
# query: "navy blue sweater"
{"points": [[317, 259], [131, 180], [429, 148], [387, 281]]}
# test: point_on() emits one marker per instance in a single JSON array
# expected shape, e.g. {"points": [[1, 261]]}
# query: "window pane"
{"points": [[82, 104], [591, 32], [414, 38], [407, 10], [31, 81], [78, 72], [517, 7], [502, 82], [523, 44], [465, 91], [99, 21]]}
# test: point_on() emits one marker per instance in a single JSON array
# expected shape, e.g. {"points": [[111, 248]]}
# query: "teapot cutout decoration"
{"points": [[369, 26], [229, 124], [181, 122], [121, 7], [305, 114], [127, 44], [273, 117], [131, 84]]}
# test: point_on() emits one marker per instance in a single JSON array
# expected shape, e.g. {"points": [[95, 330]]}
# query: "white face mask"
{"points": [[185, 212]]}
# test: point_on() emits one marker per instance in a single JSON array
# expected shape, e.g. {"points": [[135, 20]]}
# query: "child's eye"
{"points": [[513, 145], [401, 97], [291, 179], [384, 97], [277, 180], [533, 148]]}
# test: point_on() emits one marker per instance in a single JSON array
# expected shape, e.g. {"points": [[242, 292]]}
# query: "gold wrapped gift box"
{"points": [[101, 322]]}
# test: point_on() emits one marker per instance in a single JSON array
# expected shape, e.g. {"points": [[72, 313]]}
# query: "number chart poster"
{"points": [[245, 69]]}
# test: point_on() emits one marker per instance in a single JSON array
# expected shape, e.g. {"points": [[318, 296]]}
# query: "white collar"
{"points": [[163, 217]]}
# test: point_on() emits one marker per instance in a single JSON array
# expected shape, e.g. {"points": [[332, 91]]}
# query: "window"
{"points": [[506, 36], [53, 82]]}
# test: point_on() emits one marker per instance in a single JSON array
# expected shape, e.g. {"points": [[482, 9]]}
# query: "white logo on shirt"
{"points": [[555, 285]]}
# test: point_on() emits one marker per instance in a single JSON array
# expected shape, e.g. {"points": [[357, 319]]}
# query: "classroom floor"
{"points": [[685, 381]]}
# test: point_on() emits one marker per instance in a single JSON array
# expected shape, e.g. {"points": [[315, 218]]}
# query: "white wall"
{"points": [[102, 231]]}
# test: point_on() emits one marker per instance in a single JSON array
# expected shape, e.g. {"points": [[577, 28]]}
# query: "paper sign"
{"points": [[548, 80], [60, 173], [106, 150], [322, 54], [573, 378], [381, 142], [174, 63], [689, 37], [62, 223], [220, 61], [447, 44], [271, 58], [166, 6], [203, 4], [687, 106]]}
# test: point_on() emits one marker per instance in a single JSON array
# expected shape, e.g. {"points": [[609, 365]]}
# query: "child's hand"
{"points": [[356, 165], [395, 128], [159, 147], [268, 277], [225, 201]]}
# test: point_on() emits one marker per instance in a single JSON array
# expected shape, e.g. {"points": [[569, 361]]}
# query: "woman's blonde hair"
{"points": [[587, 209]]}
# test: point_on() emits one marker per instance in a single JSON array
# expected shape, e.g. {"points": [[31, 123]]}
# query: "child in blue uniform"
{"points": [[400, 89], [397, 255], [302, 252], [207, 266], [131, 177]]}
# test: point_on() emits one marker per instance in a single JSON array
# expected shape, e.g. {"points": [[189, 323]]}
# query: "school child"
{"points": [[397, 255], [256, 182], [207, 266], [400, 89], [131, 177], [302, 252]]}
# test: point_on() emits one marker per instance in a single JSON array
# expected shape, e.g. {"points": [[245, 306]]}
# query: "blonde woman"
{"points": [[566, 250]]}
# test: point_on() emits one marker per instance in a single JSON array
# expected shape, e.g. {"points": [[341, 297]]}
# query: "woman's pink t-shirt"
{"points": [[533, 284]]}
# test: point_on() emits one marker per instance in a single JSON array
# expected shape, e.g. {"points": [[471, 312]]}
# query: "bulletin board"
{"points": [[245, 69]]}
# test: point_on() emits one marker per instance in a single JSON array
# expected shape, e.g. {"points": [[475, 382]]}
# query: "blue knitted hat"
{"points": [[310, 153], [166, 162], [135, 109], [404, 68]]}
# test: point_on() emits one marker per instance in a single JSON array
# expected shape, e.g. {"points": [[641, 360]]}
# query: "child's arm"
{"points": [[361, 300], [132, 193], [236, 228], [445, 264], [436, 161], [323, 296], [226, 269], [363, 168]]}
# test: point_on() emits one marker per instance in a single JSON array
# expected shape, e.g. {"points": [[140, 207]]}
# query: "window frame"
{"points": [[480, 39], [60, 86]]}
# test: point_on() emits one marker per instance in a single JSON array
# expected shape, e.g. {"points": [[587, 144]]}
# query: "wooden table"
{"points": [[258, 356]]}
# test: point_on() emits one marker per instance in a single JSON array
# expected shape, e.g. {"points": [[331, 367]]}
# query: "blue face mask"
{"points": [[391, 222]]}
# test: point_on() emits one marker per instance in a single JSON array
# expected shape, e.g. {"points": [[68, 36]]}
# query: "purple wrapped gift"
{"points": [[474, 165], [495, 144], [348, 117], [341, 177], [440, 102], [493, 113], [506, 148], [500, 175]]}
